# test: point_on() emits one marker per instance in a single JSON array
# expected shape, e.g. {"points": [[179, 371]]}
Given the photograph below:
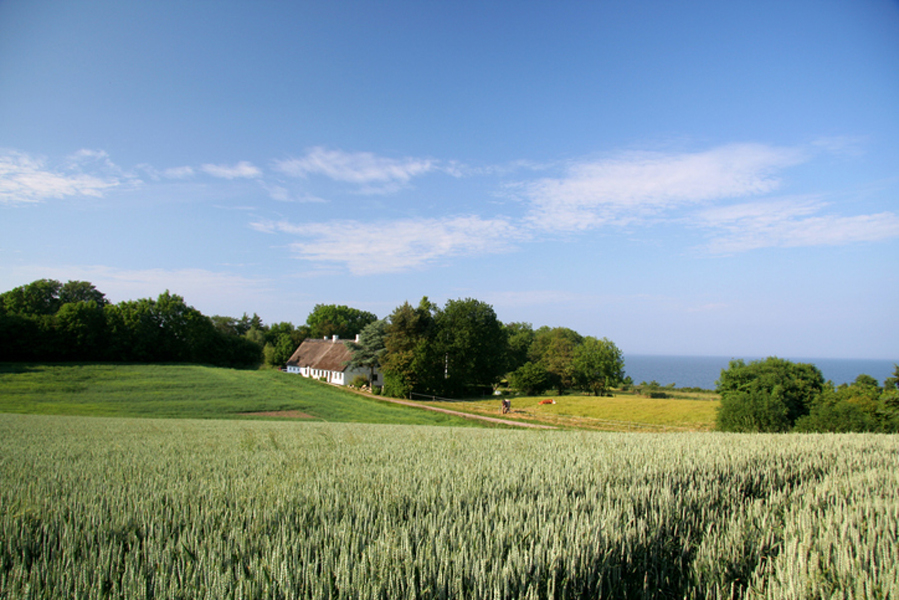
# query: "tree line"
{"points": [[50, 321], [777, 395], [456, 350], [463, 349]]}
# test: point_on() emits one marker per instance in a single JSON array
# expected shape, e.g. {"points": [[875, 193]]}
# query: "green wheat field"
{"points": [[186, 508]]}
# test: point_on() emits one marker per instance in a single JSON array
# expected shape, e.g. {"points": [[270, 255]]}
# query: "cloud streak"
{"points": [[26, 179], [621, 190], [241, 170], [790, 223], [376, 174], [389, 247]]}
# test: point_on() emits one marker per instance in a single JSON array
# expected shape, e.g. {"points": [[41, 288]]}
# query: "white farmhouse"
{"points": [[327, 359]]}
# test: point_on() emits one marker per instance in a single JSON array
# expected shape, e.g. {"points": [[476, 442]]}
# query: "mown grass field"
{"points": [[684, 411], [191, 391], [181, 508]]}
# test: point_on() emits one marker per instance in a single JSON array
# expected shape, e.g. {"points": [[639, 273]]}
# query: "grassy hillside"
{"points": [[166, 508], [191, 391]]}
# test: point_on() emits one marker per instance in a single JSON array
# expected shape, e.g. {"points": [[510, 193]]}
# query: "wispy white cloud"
{"points": [[178, 172], [155, 174], [28, 179], [282, 194], [635, 185], [370, 248], [789, 223], [243, 169], [377, 174]]}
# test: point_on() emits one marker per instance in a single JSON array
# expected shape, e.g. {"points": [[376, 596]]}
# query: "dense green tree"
{"points": [[39, 297], [21, 338], [281, 340], [766, 395], [327, 320], [81, 331], [455, 351], [860, 406], [529, 379], [227, 325], [553, 348], [370, 349], [473, 344], [597, 365], [81, 291], [892, 383], [410, 363], [844, 409], [754, 410], [256, 335], [520, 336], [162, 330]]}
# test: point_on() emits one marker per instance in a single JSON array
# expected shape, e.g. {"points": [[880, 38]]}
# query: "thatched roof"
{"points": [[327, 355]]}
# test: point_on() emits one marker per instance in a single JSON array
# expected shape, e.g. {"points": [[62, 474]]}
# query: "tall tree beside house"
{"points": [[410, 363], [455, 351], [281, 340], [474, 347], [327, 320], [370, 349]]}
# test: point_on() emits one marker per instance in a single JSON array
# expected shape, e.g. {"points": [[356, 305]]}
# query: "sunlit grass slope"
{"points": [[621, 412], [166, 508], [190, 391]]}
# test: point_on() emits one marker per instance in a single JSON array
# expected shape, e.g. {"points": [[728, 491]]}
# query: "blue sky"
{"points": [[717, 178]]}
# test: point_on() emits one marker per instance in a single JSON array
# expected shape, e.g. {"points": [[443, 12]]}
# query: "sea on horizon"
{"points": [[703, 371]]}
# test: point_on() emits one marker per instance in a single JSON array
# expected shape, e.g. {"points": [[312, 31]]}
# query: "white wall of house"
{"points": [[335, 377]]}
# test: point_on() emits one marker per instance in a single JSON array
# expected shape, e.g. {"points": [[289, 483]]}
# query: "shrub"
{"points": [[766, 395], [396, 386], [530, 379]]}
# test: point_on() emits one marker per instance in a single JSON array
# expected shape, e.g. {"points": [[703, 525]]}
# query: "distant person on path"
{"points": [[507, 405]]}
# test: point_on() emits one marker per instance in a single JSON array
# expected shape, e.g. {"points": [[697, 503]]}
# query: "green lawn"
{"points": [[191, 391]]}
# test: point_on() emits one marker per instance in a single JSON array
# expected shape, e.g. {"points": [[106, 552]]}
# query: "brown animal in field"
{"points": [[547, 401]]}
